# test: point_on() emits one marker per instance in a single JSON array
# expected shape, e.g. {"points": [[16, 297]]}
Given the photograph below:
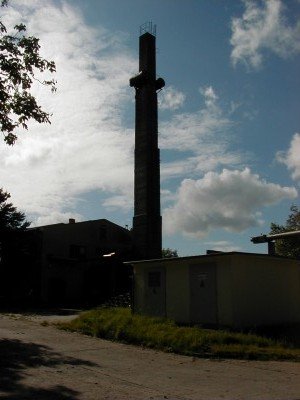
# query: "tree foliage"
{"points": [[288, 247], [169, 253], [20, 61], [10, 218]]}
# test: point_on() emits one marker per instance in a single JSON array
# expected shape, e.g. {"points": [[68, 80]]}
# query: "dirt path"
{"points": [[41, 362]]}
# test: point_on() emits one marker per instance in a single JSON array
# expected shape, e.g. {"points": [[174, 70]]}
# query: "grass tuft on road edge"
{"points": [[119, 324]]}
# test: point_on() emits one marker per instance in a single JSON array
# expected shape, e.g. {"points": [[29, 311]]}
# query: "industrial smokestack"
{"points": [[147, 224]]}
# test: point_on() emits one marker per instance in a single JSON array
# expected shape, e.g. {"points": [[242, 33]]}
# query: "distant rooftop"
{"points": [[208, 256]]}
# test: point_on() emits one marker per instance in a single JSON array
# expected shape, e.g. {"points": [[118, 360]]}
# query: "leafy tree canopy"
{"points": [[10, 218], [288, 247], [169, 253], [20, 60]]}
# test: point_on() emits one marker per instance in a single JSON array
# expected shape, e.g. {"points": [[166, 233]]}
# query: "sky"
{"points": [[229, 117]]}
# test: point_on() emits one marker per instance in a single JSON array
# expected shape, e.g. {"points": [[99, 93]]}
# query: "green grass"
{"points": [[119, 324]]}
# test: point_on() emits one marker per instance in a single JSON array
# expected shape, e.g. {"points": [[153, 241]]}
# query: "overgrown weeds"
{"points": [[119, 324]]}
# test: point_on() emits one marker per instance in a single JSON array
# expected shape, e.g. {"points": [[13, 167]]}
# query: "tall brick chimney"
{"points": [[147, 222]]}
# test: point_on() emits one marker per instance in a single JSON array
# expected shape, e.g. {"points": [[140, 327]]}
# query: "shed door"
{"points": [[203, 293], [155, 292]]}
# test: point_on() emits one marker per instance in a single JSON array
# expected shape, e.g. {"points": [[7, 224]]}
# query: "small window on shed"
{"points": [[154, 279]]}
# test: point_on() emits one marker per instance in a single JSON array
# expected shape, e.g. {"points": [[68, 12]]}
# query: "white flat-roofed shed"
{"points": [[227, 289]]}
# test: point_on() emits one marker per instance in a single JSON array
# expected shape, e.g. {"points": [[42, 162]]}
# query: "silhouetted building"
{"points": [[61, 263], [147, 219]]}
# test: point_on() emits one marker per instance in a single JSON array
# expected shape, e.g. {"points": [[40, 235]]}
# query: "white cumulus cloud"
{"points": [[291, 158], [210, 96], [263, 26], [229, 200], [204, 134], [171, 99]]}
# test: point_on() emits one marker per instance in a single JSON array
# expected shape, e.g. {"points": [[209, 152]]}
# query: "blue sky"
{"points": [[228, 117]]}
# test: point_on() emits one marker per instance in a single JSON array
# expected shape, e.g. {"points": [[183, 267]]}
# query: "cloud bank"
{"points": [[229, 200], [203, 136], [263, 27], [87, 146]]}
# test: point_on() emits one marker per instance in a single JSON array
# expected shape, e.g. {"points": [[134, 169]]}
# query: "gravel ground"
{"points": [[41, 362]]}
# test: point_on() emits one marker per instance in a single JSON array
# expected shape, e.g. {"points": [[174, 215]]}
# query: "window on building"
{"points": [[154, 278], [78, 252], [102, 233]]}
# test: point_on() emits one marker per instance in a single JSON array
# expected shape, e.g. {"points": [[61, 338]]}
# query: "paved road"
{"points": [[43, 363]]}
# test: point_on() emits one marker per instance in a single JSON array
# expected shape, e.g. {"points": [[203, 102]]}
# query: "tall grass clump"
{"points": [[120, 324]]}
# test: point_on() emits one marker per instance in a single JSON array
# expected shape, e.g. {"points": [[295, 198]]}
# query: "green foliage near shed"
{"points": [[169, 253], [121, 325], [289, 247]]}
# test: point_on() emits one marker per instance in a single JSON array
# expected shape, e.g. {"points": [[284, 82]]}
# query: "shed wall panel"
{"points": [[249, 290], [266, 291], [177, 292], [203, 294]]}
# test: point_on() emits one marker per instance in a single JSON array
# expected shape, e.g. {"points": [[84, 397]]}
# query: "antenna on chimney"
{"points": [[148, 27]]}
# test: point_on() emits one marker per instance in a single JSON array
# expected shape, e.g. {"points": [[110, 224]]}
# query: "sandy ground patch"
{"points": [[42, 362]]}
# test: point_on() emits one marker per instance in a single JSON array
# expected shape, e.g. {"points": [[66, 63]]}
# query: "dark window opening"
{"points": [[154, 279], [102, 233], [78, 252]]}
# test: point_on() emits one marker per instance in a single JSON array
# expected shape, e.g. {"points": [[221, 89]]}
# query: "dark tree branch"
{"points": [[19, 61]]}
